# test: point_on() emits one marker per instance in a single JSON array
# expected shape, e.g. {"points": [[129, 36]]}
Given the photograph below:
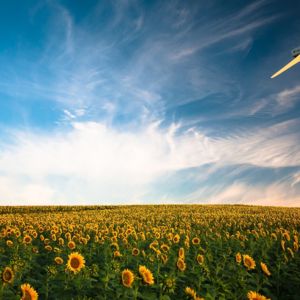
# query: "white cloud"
{"points": [[95, 162], [288, 97], [275, 104], [296, 179], [276, 193]]}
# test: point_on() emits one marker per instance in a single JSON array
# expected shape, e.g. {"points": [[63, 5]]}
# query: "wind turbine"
{"points": [[296, 55]]}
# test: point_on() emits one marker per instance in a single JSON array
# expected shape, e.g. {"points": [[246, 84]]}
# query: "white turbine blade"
{"points": [[286, 67]]}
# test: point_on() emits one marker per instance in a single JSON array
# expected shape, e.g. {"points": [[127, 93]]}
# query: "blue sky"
{"points": [[120, 102]]}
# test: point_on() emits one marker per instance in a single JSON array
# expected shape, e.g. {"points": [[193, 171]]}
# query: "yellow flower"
{"points": [[181, 264], [115, 246], [265, 268], [61, 241], [256, 296], [290, 251], [117, 253], [282, 245], [7, 275], [249, 262], [135, 251], [176, 238], [287, 236], [164, 258], [195, 241], [238, 257], [181, 253], [48, 248], [58, 260], [164, 247], [153, 245], [127, 278], [170, 282], [71, 245], [9, 243], [296, 246], [28, 292], [146, 274], [76, 262], [190, 292], [200, 259], [27, 239]]}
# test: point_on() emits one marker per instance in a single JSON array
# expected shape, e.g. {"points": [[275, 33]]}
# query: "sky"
{"points": [[149, 102]]}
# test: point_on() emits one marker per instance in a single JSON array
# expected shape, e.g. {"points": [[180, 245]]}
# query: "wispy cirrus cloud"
{"points": [[288, 97], [78, 67]]}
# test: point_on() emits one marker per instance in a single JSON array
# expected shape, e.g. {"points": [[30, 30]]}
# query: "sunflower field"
{"points": [[149, 252]]}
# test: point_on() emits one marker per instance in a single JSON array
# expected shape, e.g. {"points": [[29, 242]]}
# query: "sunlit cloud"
{"points": [[112, 164]]}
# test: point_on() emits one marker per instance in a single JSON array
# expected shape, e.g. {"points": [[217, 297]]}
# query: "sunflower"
{"points": [[71, 245], [115, 246], [68, 236], [181, 264], [274, 236], [195, 241], [170, 282], [58, 260], [287, 236], [176, 238], [265, 269], [190, 292], [296, 246], [9, 243], [238, 257], [47, 241], [256, 296], [181, 253], [249, 262], [282, 243], [8, 275], [27, 239], [135, 251], [48, 248], [35, 250], [146, 274], [164, 258], [61, 241], [76, 262], [117, 253], [200, 259], [290, 251], [127, 278], [164, 247], [28, 292]]}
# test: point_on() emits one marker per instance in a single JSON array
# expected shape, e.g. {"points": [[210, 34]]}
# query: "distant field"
{"points": [[150, 252]]}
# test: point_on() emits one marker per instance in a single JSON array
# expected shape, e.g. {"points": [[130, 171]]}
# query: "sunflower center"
{"points": [[248, 262], [27, 296], [127, 278], [7, 275], [74, 263]]}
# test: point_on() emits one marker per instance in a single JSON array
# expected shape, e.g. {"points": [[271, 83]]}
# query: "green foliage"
{"points": [[107, 236]]}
